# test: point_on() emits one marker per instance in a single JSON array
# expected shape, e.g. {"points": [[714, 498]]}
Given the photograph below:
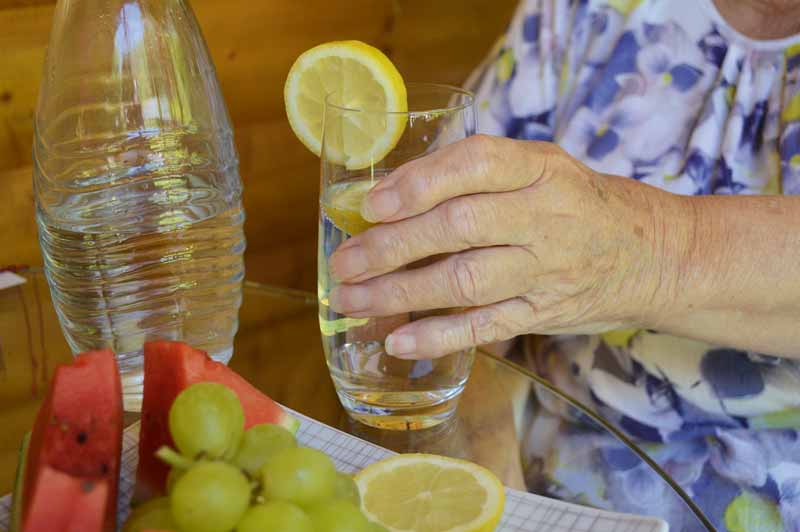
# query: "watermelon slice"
{"points": [[74, 449], [169, 367], [65, 503]]}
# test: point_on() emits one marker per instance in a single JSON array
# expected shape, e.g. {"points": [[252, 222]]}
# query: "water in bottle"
{"points": [[138, 196]]}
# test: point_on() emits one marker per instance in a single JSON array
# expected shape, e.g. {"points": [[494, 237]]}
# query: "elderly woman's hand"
{"points": [[531, 241]]}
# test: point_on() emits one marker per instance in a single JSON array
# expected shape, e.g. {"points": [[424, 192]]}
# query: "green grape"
{"points": [[299, 475], [207, 418], [210, 497], [337, 515], [259, 444], [275, 516], [173, 476], [347, 489], [152, 515], [377, 527]]}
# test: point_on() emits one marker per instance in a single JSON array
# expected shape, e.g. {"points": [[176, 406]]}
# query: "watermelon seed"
{"points": [[81, 438], [104, 468], [87, 486]]}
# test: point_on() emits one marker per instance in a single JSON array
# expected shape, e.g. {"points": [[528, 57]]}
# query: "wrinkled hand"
{"points": [[533, 242]]}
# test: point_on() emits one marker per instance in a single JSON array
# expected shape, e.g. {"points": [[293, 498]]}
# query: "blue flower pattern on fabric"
{"points": [[623, 61], [700, 169], [684, 76], [731, 373], [714, 47], [665, 92], [530, 28]]}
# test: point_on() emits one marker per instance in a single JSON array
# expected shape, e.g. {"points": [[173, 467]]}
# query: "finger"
{"points": [[442, 335], [376, 330], [462, 223], [476, 164], [369, 335], [472, 278]]}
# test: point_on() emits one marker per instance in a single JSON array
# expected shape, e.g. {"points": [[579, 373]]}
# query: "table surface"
{"points": [[278, 349]]}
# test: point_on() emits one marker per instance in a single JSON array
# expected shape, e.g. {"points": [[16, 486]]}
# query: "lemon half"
{"points": [[427, 493], [359, 77]]}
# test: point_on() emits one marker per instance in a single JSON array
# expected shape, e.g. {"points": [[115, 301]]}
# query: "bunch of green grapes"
{"points": [[224, 478]]}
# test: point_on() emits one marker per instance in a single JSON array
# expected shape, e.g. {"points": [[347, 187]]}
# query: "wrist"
{"points": [[676, 276], [647, 244]]}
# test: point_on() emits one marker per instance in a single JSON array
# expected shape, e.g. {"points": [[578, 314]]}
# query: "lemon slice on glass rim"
{"points": [[428, 493], [357, 76]]}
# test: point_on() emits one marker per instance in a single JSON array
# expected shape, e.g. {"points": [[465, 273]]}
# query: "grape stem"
{"points": [[173, 458]]}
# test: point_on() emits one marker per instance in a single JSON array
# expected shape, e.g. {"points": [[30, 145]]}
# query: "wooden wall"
{"points": [[253, 43]]}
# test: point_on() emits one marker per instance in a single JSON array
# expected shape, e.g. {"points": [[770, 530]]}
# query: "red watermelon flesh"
{"points": [[169, 367], [78, 433], [64, 503]]}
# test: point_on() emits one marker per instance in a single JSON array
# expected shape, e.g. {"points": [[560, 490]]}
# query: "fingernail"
{"points": [[349, 299], [380, 205], [400, 345], [348, 263]]}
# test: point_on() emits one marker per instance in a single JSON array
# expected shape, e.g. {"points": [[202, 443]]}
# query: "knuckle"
{"points": [[551, 149], [481, 153], [549, 158], [396, 294], [467, 280], [453, 338], [387, 246], [461, 216], [480, 144], [420, 186], [483, 326], [557, 161]]}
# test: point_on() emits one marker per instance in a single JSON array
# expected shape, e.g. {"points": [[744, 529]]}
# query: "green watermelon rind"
{"points": [[16, 504], [289, 422]]}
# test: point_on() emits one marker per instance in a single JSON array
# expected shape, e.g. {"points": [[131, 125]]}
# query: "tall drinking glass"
{"points": [[375, 388]]}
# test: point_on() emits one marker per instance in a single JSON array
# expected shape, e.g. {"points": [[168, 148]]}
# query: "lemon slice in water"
{"points": [[343, 206], [358, 76]]}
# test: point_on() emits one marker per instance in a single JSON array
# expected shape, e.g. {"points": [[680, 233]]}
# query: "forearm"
{"points": [[732, 272]]}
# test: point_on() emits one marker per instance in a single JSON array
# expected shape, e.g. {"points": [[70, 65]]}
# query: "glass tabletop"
{"points": [[508, 419]]}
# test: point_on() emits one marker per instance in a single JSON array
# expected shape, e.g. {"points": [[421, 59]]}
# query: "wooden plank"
{"points": [[23, 39], [255, 43], [444, 41], [281, 184], [11, 4], [17, 223]]}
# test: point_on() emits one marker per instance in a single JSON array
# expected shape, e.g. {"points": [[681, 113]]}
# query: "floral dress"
{"points": [[665, 92]]}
